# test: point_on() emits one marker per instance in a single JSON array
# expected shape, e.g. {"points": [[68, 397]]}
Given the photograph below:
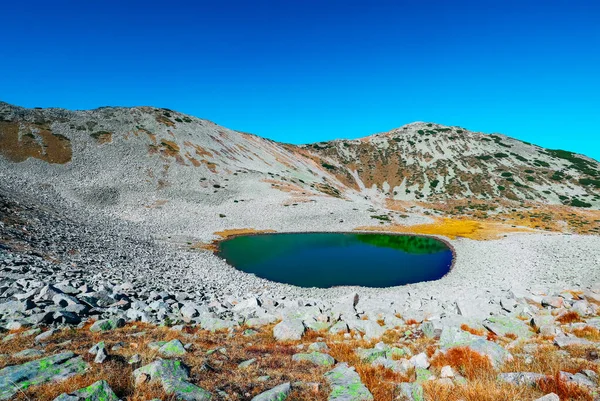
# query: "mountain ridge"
{"points": [[417, 162]]}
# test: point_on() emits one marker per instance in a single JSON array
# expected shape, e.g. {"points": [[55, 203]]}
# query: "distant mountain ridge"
{"points": [[150, 150]]}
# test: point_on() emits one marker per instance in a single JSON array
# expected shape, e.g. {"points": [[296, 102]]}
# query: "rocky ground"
{"points": [[85, 293]]}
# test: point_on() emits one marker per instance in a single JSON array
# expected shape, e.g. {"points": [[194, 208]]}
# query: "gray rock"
{"points": [[549, 397], [172, 348], [316, 358], [245, 364], [53, 368], [174, 378], [318, 346], [503, 325], [29, 353], [564, 341], [521, 378], [411, 391], [346, 385], [107, 324], [289, 330], [99, 391], [278, 393], [420, 361]]}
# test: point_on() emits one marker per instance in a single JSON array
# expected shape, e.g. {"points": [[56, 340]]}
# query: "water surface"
{"points": [[335, 259]]}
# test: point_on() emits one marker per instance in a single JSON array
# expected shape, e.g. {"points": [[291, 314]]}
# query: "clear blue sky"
{"points": [[306, 70]]}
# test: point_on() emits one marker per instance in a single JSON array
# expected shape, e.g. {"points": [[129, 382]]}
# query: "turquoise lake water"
{"points": [[336, 259]]}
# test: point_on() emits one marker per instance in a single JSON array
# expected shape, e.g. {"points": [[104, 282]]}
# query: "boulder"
{"points": [[278, 393], [503, 325], [107, 324], [99, 391], [53, 368], [316, 358], [346, 385], [172, 348], [289, 330], [174, 378]]}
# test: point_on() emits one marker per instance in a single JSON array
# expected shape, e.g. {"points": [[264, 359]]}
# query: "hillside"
{"points": [[161, 150]]}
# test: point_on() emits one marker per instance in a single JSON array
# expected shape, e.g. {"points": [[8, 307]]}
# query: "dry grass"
{"points": [[478, 390], [565, 390], [588, 332], [569, 317], [477, 332], [218, 371], [470, 364]]}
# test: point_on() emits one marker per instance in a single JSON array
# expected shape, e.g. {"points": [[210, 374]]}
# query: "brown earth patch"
{"points": [[103, 137], [18, 142]]}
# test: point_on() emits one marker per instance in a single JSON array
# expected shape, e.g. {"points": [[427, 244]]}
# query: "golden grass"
{"points": [[241, 231], [569, 317], [588, 332], [470, 364], [453, 228]]}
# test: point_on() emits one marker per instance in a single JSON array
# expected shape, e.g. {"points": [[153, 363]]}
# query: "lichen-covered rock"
{"points": [[107, 324], [172, 348], [346, 385], [317, 358], [278, 393], [289, 330], [370, 354], [521, 378], [174, 378], [503, 325], [53, 368], [99, 391], [411, 391]]}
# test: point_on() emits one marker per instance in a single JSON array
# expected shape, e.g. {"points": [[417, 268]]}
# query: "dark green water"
{"points": [[334, 259]]}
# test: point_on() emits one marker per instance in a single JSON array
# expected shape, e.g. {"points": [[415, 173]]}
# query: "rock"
{"points": [[420, 361], [432, 329], [289, 330], [339, 327], [172, 348], [215, 324], [101, 355], [423, 375], [316, 358], [521, 378], [401, 366], [94, 350], [318, 346], [245, 364], [577, 378], [453, 337], [411, 391], [278, 393], [44, 336], [549, 397], [53, 368], [564, 341], [553, 302], [136, 358], [503, 325], [346, 385], [106, 325], [370, 329], [174, 378], [370, 354], [29, 353], [99, 391], [447, 372]]}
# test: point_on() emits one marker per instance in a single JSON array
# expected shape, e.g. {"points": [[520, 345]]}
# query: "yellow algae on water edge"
{"points": [[453, 228]]}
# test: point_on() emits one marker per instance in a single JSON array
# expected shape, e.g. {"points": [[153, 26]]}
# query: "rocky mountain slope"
{"points": [[145, 156]]}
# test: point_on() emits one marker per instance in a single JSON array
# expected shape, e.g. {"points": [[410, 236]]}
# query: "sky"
{"points": [[301, 71]]}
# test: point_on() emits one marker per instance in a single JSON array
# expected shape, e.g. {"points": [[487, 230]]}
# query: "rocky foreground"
{"points": [[70, 340]]}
